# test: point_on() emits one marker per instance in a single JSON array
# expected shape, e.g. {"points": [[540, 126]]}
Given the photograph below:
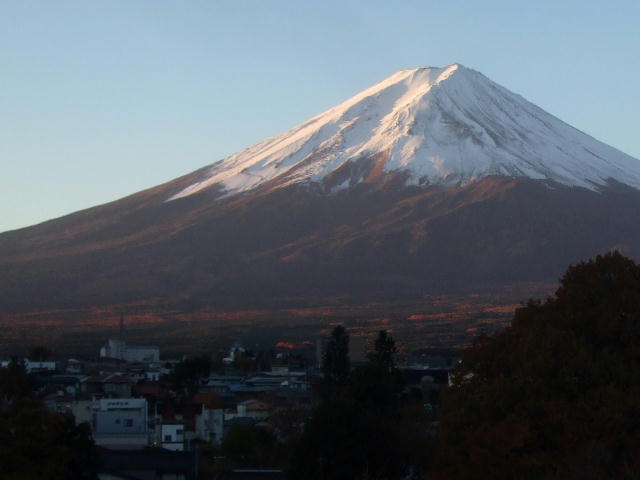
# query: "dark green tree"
{"points": [[249, 447], [361, 431], [37, 443], [336, 365], [557, 394], [240, 445], [186, 374], [384, 350], [39, 354], [14, 381]]}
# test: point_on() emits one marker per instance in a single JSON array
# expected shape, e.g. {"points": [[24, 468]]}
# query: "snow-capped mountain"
{"points": [[433, 180], [447, 126]]}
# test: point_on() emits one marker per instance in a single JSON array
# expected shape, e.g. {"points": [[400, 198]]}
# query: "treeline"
{"points": [[554, 396], [366, 426], [557, 394], [38, 443]]}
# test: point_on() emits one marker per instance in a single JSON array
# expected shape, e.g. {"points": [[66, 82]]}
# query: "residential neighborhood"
{"points": [[155, 417]]}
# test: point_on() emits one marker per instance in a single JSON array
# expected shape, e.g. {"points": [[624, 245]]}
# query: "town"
{"points": [[234, 417]]}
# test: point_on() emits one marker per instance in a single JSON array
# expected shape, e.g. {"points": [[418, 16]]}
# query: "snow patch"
{"points": [[448, 125]]}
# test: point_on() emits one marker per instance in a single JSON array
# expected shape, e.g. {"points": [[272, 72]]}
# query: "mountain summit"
{"points": [[434, 180], [445, 126]]}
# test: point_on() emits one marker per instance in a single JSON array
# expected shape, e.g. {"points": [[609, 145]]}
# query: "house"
{"points": [[74, 367], [114, 385], [172, 436], [39, 367], [82, 410], [210, 425], [235, 352], [253, 409], [68, 384]]}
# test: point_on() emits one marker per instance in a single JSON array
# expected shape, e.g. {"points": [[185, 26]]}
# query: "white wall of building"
{"points": [[172, 436]]}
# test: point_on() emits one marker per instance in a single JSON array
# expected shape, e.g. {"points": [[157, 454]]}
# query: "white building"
{"points": [[33, 367], [119, 350], [234, 352], [210, 425], [82, 411], [172, 436], [120, 421]]}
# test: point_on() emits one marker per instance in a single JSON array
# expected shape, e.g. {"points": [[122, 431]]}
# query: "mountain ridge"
{"points": [[448, 125]]}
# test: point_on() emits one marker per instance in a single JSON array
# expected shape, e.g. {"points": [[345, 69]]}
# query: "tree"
{"points": [[186, 374], [240, 445], [557, 394], [336, 365], [361, 431], [39, 354], [14, 381], [384, 350], [37, 443]]}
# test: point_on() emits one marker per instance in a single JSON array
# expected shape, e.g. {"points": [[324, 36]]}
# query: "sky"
{"points": [[100, 99]]}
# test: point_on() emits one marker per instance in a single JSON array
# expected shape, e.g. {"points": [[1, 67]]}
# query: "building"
{"points": [[119, 350], [120, 422], [234, 352], [254, 409], [32, 366], [82, 410], [210, 425], [112, 385], [172, 436]]}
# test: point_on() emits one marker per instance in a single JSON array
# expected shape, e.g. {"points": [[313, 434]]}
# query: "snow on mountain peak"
{"points": [[449, 126]]}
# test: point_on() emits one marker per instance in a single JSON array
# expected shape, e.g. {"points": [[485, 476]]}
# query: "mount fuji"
{"points": [[433, 180], [444, 126]]}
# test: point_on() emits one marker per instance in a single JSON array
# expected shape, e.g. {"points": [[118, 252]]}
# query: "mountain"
{"points": [[443, 126], [433, 180]]}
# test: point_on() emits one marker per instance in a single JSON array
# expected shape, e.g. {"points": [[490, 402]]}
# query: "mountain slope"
{"points": [[434, 180]]}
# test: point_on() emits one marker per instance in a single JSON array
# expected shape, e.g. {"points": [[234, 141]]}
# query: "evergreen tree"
{"points": [[187, 374], [14, 381], [336, 365], [384, 350], [39, 354], [361, 431], [557, 394], [37, 443]]}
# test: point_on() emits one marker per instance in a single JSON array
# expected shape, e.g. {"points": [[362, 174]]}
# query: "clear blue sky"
{"points": [[99, 99]]}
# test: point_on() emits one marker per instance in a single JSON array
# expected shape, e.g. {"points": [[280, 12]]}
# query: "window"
{"points": [[179, 432], [128, 422], [167, 438]]}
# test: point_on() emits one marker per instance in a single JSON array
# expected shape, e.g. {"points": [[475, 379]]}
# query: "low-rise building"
{"points": [[120, 421], [118, 349], [32, 366], [210, 425], [172, 436], [254, 409]]}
